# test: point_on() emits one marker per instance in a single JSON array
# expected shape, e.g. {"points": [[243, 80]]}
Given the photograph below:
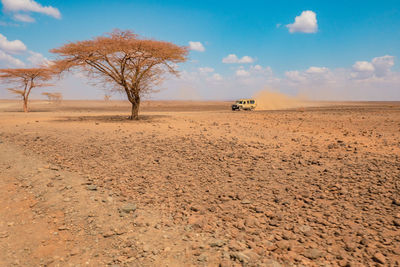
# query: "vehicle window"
{"points": [[252, 102]]}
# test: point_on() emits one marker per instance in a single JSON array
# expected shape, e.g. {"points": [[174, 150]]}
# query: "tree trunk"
{"points": [[25, 104], [135, 110]]}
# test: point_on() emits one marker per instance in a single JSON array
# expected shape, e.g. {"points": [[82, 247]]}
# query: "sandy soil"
{"points": [[195, 184]]}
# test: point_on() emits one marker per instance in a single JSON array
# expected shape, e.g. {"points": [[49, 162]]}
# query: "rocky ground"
{"points": [[194, 184]]}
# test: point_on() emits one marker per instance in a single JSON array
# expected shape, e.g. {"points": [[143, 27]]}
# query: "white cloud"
{"points": [[12, 47], [363, 66], [17, 47], [311, 74], [232, 58], [242, 73], [317, 70], [306, 23], [7, 61], [362, 70], [379, 67], [196, 46], [30, 6], [206, 70], [382, 65], [258, 69], [24, 18], [38, 59], [246, 59], [294, 76]]}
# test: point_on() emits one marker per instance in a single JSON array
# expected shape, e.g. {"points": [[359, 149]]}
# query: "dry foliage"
{"points": [[26, 80], [124, 61]]}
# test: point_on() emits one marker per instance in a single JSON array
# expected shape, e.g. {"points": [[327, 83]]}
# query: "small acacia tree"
{"points": [[26, 80], [53, 97], [124, 61]]}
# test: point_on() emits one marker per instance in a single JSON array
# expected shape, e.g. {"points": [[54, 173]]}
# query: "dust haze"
{"points": [[269, 99]]}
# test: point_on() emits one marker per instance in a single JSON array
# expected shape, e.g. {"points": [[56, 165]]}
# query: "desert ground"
{"points": [[195, 184]]}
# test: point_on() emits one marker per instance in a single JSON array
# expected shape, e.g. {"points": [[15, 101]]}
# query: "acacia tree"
{"points": [[53, 97], [124, 61], [26, 80]]}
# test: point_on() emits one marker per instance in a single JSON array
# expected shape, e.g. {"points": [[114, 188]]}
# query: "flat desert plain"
{"points": [[195, 184]]}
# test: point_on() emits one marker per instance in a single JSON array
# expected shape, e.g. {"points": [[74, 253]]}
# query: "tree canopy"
{"points": [[25, 80], [124, 61]]}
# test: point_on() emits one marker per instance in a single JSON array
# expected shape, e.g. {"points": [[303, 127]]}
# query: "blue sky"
{"points": [[337, 50]]}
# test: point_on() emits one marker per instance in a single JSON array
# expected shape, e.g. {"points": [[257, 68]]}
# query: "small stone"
{"points": [[364, 242], [313, 253], [128, 208], [202, 257], [246, 201], [350, 246], [194, 208], [396, 202], [62, 228], [91, 187], [283, 244], [270, 246], [225, 263], [272, 263], [119, 231], [67, 199], [196, 221], [379, 258], [217, 243], [243, 258], [74, 251], [396, 223], [253, 256], [108, 234], [3, 234], [146, 248]]}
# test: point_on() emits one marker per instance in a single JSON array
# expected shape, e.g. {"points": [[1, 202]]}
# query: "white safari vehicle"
{"points": [[244, 104]]}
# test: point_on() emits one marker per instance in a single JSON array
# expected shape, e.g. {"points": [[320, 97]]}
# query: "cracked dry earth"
{"points": [[193, 184]]}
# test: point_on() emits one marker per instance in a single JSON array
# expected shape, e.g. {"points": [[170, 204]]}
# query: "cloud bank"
{"points": [[363, 80]]}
